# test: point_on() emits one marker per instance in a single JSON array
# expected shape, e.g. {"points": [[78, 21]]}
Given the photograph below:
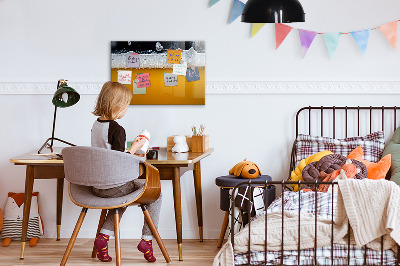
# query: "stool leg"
{"points": [[117, 239], [223, 229], [101, 222]]}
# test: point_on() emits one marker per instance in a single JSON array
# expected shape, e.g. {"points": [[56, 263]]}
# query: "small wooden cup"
{"points": [[200, 143]]}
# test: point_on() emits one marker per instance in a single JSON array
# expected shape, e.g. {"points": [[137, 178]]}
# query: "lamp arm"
{"points": [[54, 126]]}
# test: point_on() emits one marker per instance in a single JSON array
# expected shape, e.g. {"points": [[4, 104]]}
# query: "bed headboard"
{"points": [[344, 121]]}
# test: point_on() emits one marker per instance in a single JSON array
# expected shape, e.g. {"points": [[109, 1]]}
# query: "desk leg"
{"points": [[197, 189], [176, 182], [60, 190], [27, 206]]}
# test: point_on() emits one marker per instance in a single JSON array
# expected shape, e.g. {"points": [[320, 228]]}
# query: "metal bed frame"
{"points": [[283, 184]]}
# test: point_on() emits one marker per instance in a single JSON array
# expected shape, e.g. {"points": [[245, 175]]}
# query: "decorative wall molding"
{"points": [[232, 87]]}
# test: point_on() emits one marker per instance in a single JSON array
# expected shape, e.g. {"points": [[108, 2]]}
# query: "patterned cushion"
{"points": [[372, 144]]}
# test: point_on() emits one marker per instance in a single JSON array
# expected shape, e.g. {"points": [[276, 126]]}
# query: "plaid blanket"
{"points": [[323, 205]]}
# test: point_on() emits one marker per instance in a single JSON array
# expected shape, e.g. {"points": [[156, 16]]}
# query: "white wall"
{"points": [[43, 41]]}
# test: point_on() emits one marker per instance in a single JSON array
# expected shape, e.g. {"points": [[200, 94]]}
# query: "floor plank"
{"points": [[49, 252]]}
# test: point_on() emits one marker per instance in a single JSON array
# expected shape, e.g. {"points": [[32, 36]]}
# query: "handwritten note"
{"points": [[180, 69], [174, 56], [144, 80], [170, 79], [124, 76], [192, 74], [133, 60]]}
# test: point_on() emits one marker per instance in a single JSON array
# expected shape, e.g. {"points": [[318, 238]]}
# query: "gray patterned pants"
{"points": [[153, 208]]}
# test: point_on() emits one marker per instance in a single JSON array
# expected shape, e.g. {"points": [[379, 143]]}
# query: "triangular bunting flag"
{"points": [[213, 2], [332, 41], [281, 31], [306, 39], [389, 30], [256, 27], [361, 37], [237, 9]]}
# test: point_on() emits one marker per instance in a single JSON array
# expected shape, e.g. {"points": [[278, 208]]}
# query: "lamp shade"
{"points": [[273, 11], [65, 96]]}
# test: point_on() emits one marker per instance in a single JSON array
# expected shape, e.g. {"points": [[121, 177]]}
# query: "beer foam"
{"points": [[190, 56]]}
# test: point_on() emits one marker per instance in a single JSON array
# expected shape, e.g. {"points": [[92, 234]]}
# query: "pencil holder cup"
{"points": [[200, 143]]}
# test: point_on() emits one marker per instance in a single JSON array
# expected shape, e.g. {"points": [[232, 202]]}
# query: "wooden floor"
{"points": [[50, 252]]}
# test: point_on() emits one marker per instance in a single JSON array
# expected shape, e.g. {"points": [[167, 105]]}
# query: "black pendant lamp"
{"points": [[273, 11]]}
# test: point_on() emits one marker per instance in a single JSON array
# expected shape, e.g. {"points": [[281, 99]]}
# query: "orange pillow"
{"points": [[375, 170]]}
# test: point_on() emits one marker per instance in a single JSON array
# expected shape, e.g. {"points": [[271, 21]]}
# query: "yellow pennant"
{"points": [[256, 27]]}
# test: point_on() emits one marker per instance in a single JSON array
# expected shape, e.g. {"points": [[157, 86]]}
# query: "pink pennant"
{"points": [[306, 39], [281, 31], [389, 30]]}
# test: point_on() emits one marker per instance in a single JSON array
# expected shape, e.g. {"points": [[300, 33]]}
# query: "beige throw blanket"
{"points": [[372, 206]]}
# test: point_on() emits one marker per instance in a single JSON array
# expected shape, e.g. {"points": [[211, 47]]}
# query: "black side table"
{"points": [[226, 183]]}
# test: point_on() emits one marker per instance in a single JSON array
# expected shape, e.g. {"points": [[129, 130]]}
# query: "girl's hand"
{"points": [[143, 155], [137, 144]]}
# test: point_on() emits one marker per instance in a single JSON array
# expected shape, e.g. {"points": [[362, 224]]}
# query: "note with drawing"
{"points": [[180, 69], [133, 60], [174, 56], [170, 79], [144, 80], [192, 74], [125, 76]]}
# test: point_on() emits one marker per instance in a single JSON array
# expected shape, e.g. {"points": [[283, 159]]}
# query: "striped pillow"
{"points": [[372, 145], [13, 228]]}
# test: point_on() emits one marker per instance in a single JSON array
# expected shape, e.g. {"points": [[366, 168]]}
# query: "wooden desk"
{"points": [[40, 167], [171, 167]]}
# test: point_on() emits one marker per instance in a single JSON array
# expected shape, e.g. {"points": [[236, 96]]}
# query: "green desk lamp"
{"points": [[65, 96]]}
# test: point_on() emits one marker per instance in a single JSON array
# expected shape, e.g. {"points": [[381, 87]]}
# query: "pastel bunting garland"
{"points": [[389, 30]]}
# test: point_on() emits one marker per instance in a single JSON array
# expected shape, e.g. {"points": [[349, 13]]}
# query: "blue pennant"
{"points": [[361, 38], [237, 9]]}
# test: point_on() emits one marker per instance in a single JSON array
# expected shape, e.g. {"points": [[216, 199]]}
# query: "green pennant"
{"points": [[213, 2]]}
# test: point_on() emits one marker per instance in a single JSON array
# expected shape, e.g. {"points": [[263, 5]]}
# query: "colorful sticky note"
{"points": [[136, 90], [180, 69], [174, 56], [170, 79], [125, 76], [192, 74], [133, 60], [144, 80]]}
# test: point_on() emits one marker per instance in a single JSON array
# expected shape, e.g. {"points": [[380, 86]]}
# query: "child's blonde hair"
{"points": [[112, 99]]}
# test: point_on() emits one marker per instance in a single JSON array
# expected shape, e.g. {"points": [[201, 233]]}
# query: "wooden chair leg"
{"points": [[154, 230], [101, 222], [117, 238], [223, 229], [73, 237]]}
